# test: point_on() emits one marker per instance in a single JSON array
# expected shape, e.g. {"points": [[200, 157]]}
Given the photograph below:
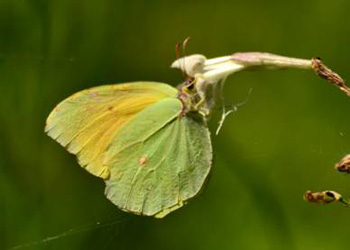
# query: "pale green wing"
{"points": [[158, 160], [87, 122]]}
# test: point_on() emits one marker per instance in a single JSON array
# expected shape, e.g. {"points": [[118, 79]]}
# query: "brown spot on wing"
{"points": [[143, 160]]}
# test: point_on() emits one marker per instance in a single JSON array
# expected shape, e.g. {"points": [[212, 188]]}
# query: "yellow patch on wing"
{"points": [[88, 121]]}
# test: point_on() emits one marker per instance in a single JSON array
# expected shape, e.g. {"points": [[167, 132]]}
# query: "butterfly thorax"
{"points": [[197, 97], [198, 93]]}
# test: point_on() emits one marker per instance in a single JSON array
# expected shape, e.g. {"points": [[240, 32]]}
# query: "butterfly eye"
{"points": [[189, 85]]}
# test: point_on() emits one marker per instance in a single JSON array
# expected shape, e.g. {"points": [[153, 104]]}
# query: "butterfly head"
{"points": [[202, 75]]}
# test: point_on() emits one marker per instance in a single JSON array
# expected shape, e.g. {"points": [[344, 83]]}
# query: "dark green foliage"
{"points": [[285, 140]]}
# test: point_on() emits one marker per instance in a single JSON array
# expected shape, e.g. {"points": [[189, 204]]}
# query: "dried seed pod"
{"points": [[344, 164], [326, 73], [323, 197]]}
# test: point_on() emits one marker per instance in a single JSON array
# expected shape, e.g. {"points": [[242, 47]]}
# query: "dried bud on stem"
{"points": [[343, 165], [325, 197], [327, 74]]}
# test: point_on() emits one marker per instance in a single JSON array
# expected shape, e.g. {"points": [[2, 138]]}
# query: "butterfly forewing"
{"points": [[87, 122]]}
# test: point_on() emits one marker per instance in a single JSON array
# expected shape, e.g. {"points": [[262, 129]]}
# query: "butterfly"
{"points": [[144, 139]]}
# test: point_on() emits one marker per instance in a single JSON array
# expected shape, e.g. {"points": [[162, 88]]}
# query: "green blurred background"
{"points": [[283, 141]]}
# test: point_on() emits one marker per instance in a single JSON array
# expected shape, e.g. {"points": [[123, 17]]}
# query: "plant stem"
{"points": [[258, 59]]}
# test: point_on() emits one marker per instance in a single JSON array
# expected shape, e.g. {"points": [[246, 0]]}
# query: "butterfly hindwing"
{"points": [[158, 160], [88, 121]]}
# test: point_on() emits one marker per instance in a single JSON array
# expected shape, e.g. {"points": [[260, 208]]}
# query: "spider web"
{"points": [[99, 225]]}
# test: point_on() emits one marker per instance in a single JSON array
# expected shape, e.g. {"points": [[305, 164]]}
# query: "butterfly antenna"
{"points": [[177, 53], [177, 50], [184, 45]]}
